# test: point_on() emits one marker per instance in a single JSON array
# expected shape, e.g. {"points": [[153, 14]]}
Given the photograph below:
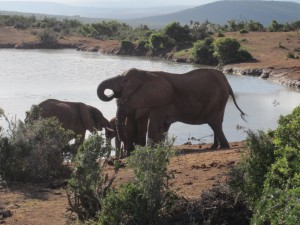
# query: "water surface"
{"points": [[31, 76]]}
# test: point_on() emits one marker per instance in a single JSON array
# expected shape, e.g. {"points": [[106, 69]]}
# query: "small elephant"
{"points": [[75, 116], [113, 134], [134, 134], [196, 97]]}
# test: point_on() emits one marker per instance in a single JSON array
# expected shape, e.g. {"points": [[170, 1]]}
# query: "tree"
{"points": [[275, 26], [159, 42], [226, 49], [177, 32], [202, 52]]}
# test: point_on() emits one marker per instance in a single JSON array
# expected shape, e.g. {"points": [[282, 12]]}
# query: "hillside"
{"points": [[221, 11], [96, 12]]}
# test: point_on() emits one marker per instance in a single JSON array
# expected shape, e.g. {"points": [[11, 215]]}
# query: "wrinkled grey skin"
{"points": [[196, 97], [75, 116]]}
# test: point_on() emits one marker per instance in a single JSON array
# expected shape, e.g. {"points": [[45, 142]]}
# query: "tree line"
{"points": [[143, 40]]}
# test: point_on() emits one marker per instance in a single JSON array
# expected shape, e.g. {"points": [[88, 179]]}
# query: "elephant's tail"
{"points": [[243, 115]]}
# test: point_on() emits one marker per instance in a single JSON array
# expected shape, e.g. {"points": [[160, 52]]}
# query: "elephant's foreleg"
{"points": [[129, 135], [141, 130]]}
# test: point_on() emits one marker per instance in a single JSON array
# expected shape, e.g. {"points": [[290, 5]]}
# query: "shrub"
{"points": [[159, 43], [285, 172], [141, 48], [244, 55], [33, 151], [220, 34], [127, 47], [48, 38], [278, 206], [291, 55], [127, 205], [202, 52], [141, 201], [227, 50], [280, 201], [268, 177], [248, 177], [180, 34], [88, 184], [243, 31]]}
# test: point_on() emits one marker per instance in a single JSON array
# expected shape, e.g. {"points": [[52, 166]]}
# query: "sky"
{"points": [[127, 3], [131, 3]]}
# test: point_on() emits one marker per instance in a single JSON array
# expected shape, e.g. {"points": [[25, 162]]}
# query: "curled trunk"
{"points": [[111, 84]]}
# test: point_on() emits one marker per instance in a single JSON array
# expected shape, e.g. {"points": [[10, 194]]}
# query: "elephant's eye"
{"points": [[125, 80]]}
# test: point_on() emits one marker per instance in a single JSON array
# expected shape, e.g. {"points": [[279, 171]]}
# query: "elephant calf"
{"points": [[75, 116]]}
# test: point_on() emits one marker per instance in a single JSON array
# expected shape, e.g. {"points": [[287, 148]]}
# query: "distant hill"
{"points": [[51, 8], [221, 11]]}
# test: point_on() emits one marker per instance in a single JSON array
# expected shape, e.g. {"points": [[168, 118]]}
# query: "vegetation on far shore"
{"points": [[203, 43]]}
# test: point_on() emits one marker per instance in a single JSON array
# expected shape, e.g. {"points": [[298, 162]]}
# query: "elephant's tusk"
{"points": [[109, 129]]}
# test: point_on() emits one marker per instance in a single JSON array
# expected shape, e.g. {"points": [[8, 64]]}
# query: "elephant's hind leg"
{"points": [[215, 145], [219, 136]]}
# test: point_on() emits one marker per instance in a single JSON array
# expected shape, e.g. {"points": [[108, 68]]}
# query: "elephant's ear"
{"points": [[154, 91]]}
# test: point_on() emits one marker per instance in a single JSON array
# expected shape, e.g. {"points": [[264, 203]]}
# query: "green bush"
{"points": [[202, 52], [227, 50], [127, 205], [48, 38], [159, 43], [141, 201], [244, 55], [88, 184], [248, 177], [33, 151], [142, 47], [243, 31], [180, 34], [290, 55], [278, 206], [127, 47], [285, 172], [269, 176]]}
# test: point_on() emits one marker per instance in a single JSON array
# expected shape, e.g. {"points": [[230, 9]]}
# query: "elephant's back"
{"points": [[199, 80], [59, 109]]}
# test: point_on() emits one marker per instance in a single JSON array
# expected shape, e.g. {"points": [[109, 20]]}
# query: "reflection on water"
{"points": [[31, 76]]}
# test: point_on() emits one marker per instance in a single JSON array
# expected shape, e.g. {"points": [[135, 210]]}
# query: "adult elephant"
{"points": [[196, 97], [75, 116]]}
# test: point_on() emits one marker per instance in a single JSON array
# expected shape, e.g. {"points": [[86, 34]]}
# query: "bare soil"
{"points": [[195, 169], [270, 50]]}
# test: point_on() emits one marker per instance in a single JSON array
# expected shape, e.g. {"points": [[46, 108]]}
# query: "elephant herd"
{"points": [[148, 102]]}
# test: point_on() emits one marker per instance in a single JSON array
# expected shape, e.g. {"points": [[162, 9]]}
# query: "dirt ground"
{"points": [[195, 169]]}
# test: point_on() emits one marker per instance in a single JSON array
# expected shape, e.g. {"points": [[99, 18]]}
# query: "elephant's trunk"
{"points": [[111, 84], [120, 124]]}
